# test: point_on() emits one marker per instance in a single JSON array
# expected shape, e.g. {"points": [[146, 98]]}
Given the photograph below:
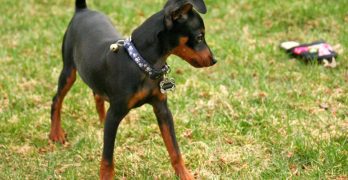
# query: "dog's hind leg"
{"points": [[66, 80], [100, 106]]}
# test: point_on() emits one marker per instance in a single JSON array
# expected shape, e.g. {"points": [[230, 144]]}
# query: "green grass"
{"points": [[256, 114]]}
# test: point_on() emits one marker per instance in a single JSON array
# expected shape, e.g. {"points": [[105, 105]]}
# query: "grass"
{"points": [[255, 115]]}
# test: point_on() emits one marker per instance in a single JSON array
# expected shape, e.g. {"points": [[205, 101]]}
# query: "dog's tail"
{"points": [[80, 4]]}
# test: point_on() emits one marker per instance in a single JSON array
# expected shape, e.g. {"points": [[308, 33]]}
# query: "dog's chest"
{"points": [[144, 95]]}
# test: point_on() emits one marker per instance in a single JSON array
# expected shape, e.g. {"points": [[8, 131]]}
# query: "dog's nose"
{"points": [[214, 61]]}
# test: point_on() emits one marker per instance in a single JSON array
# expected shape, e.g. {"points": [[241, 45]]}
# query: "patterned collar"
{"points": [[142, 63]]}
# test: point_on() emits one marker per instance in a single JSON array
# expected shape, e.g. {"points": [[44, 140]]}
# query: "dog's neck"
{"points": [[145, 39], [153, 53]]}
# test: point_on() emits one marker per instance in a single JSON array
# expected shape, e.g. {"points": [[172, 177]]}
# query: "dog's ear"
{"points": [[174, 9], [199, 5]]}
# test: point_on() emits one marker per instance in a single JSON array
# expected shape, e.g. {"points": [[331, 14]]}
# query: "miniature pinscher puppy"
{"points": [[121, 78]]}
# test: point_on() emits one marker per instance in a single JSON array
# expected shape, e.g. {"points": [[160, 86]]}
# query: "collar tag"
{"points": [[167, 85]]}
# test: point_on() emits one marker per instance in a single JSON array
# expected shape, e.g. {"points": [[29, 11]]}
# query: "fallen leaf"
{"points": [[341, 178], [324, 106], [293, 169], [261, 95], [228, 141], [188, 134], [290, 154]]}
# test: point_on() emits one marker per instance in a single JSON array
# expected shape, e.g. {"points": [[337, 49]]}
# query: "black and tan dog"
{"points": [[121, 78]]}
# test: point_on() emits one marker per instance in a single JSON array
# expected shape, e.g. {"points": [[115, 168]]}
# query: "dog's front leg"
{"points": [[113, 118], [165, 122]]}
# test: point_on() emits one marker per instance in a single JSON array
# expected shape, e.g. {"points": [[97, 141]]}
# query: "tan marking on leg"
{"points": [[100, 106], [106, 170], [57, 133], [175, 157]]}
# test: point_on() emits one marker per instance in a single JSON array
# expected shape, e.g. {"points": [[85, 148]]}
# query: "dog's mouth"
{"points": [[197, 59], [201, 63], [202, 58]]}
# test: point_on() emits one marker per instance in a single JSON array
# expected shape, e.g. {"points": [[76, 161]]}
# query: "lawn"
{"points": [[257, 114]]}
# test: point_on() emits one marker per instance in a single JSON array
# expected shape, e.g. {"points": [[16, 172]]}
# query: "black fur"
{"points": [[116, 78], [80, 4]]}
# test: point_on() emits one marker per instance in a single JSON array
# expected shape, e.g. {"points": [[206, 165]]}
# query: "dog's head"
{"points": [[185, 32], [177, 29]]}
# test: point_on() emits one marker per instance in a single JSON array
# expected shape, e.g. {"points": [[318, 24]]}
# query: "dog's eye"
{"points": [[200, 38]]}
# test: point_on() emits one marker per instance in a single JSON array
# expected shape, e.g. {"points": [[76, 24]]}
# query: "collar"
{"points": [[142, 63]]}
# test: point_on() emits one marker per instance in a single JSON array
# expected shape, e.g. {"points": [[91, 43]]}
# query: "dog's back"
{"points": [[89, 31]]}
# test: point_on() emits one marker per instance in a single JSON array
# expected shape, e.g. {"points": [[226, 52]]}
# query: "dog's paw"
{"points": [[186, 175], [106, 171], [58, 136]]}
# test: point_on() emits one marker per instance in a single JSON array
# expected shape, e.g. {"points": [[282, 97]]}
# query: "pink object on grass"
{"points": [[300, 50]]}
